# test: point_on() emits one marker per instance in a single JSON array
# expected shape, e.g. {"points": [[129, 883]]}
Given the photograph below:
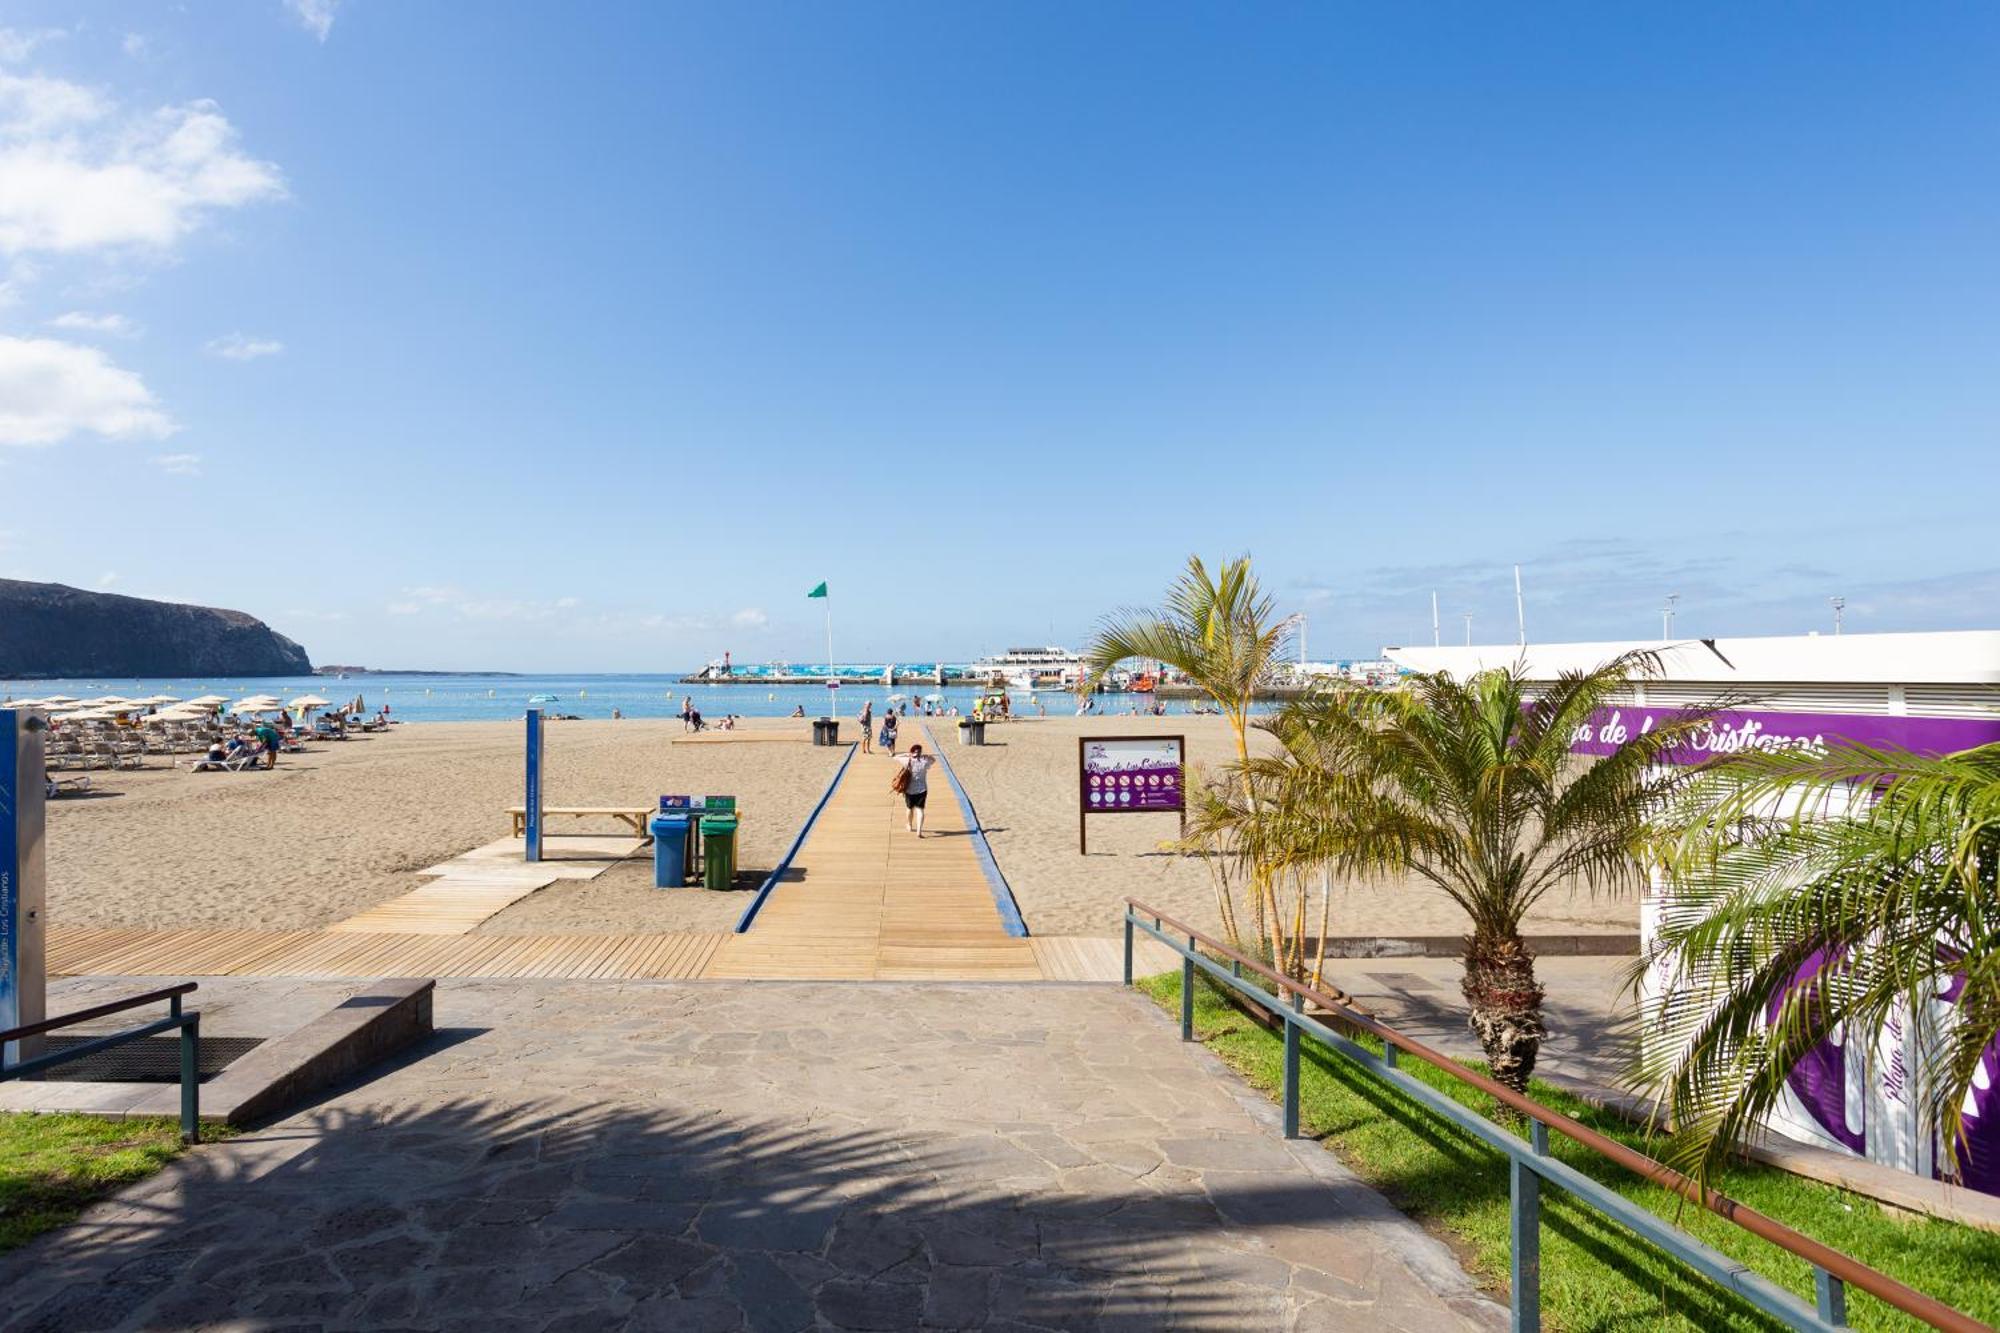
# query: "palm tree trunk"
{"points": [[1505, 1003], [1325, 924]]}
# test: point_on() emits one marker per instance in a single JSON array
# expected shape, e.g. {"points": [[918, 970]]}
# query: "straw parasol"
{"points": [[307, 702], [209, 700]]}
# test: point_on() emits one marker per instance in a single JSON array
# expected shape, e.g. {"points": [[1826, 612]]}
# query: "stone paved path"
{"points": [[782, 1156]]}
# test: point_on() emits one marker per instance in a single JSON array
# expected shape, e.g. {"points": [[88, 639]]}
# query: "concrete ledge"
{"points": [[382, 1018]]}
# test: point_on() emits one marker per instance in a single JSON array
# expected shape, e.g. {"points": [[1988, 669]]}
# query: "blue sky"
{"points": [[590, 337]]}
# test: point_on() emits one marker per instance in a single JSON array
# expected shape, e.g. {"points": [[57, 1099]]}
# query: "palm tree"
{"points": [[1813, 893], [1222, 632], [1470, 785]]}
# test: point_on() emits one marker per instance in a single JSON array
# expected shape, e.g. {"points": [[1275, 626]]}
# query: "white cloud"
{"points": [[16, 45], [106, 579], [51, 390], [82, 321], [750, 617], [178, 465], [241, 347], [78, 174], [315, 16]]}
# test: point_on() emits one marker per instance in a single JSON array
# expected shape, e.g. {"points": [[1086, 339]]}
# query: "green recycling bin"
{"points": [[718, 841]]}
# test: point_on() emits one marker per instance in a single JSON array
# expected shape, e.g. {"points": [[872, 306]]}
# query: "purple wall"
{"points": [[1733, 732]]}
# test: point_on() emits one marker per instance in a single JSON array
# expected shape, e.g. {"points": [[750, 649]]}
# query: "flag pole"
{"points": [[831, 675]]}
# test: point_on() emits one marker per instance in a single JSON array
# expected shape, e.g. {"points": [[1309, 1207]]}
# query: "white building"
{"points": [[1930, 693]]}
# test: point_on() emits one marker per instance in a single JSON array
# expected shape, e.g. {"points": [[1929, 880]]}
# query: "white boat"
{"points": [[1027, 670]]}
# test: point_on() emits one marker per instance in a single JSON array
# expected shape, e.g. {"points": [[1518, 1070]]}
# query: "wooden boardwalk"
{"points": [[111, 951], [677, 956], [865, 900]]}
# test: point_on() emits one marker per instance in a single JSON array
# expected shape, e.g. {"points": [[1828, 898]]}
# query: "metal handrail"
{"points": [[189, 1024], [1833, 1271]]}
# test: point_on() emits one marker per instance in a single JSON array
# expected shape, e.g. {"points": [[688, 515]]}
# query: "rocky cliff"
{"points": [[47, 629]]}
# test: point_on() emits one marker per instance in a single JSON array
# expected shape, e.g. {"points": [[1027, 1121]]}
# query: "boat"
{"points": [[545, 698], [1026, 670]]}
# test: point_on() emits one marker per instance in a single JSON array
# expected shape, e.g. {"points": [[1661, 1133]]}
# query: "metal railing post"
{"points": [[1830, 1294], [1128, 947], [1187, 992], [1525, 1272], [1292, 1066], [190, 1078]]}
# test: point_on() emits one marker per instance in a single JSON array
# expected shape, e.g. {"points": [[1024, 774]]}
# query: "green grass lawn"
{"points": [[1595, 1275], [54, 1166]]}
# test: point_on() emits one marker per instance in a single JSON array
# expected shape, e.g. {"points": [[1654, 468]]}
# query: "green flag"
{"points": [[820, 591]]}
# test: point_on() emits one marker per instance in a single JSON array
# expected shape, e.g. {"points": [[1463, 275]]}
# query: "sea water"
{"points": [[489, 698]]}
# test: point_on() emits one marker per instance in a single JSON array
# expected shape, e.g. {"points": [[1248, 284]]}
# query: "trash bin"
{"points": [[718, 840], [819, 731], [965, 731], [832, 730], [670, 849], [975, 731]]}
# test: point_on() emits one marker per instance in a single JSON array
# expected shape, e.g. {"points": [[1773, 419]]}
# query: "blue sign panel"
{"points": [[675, 802], [532, 823]]}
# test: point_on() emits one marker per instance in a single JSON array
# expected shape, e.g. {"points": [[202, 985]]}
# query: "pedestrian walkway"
{"points": [[866, 900], [784, 1156]]}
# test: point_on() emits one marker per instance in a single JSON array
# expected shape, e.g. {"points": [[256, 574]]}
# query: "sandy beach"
{"points": [[339, 829], [343, 827]]}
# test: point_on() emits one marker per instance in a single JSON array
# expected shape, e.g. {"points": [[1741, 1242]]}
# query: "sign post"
{"points": [[1128, 775], [23, 942], [532, 822]]}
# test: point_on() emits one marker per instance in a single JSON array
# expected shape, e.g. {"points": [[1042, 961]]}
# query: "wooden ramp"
{"points": [[867, 901]]}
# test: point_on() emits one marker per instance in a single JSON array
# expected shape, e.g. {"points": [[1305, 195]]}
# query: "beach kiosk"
{"points": [[1931, 693]]}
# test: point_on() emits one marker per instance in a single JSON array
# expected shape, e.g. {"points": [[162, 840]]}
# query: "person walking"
{"points": [[888, 736], [867, 721], [687, 712], [916, 768]]}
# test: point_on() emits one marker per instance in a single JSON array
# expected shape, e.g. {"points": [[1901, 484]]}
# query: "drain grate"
{"points": [[147, 1060]]}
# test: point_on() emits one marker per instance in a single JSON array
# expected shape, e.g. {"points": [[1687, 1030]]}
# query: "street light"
{"points": [[1667, 616], [1839, 605]]}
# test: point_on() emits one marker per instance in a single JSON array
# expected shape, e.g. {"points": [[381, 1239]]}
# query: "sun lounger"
{"points": [[60, 787]]}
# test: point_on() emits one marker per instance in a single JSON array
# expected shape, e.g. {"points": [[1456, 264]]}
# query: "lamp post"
{"points": [[1667, 616], [1839, 606]]}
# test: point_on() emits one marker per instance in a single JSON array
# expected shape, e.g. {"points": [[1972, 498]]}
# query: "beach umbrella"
{"points": [[60, 699], [897, 697], [306, 702], [155, 700], [259, 703], [209, 700]]}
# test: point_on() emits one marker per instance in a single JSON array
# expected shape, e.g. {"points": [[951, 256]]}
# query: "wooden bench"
{"points": [[633, 815]]}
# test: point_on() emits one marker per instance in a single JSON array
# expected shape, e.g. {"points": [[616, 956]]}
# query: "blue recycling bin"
{"points": [[670, 849]]}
